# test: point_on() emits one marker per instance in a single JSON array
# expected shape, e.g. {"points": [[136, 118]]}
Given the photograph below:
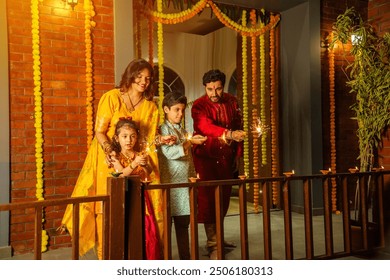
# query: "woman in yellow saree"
{"points": [[134, 99]]}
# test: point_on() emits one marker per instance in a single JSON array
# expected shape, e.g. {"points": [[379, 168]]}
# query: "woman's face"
{"points": [[142, 81], [127, 138]]}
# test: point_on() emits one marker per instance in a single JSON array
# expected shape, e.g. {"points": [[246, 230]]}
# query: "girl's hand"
{"points": [[140, 159], [168, 139]]}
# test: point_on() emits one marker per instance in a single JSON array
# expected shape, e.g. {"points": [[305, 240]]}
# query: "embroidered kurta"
{"points": [[93, 175], [214, 160], [176, 166]]}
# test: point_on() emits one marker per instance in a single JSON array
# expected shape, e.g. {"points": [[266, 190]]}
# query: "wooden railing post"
{"points": [[167, 225], [266, 223], [308, 219], [116, 188], [194, 222], [327, 217], [219, 222], [135, 219], [288, 237], [243, 221]]}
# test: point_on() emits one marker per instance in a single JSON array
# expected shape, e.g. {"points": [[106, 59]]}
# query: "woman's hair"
{"points": [[213, 76], [122, 123], [131, 73], [174, 98]]}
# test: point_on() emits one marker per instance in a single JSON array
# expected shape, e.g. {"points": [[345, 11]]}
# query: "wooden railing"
{"points": [[369, 236], [123, 218]]}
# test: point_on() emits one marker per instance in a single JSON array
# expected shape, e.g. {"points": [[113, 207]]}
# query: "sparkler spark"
{"points": [[259, 127]]}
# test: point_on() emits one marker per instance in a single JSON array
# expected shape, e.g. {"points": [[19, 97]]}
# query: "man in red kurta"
{"points": [[217, 116]]}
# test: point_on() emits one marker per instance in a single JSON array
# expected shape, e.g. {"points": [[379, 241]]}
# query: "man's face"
{"points": [[214, 91]]}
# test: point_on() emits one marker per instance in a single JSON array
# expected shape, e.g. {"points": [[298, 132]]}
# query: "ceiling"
{"points": [[206, 22]]}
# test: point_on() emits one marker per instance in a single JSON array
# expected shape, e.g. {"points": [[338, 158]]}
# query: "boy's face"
{"points": [[127, 138], [175, 113]]}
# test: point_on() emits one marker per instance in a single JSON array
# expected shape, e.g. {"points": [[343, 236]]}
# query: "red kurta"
{"points": [[214, 160]]}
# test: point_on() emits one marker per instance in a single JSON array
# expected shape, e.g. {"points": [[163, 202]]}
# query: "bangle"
{"points": [[157, 141], [106, 146]]}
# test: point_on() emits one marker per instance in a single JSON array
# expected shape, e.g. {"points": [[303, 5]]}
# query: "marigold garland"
{"points": [[137, 28], [150, 40], [174, 18], [160, 57], [255, 146], [38, 111], [274, 168], [245, 94], [332, 117], [242, 29], [89, 25], [262, 98]]}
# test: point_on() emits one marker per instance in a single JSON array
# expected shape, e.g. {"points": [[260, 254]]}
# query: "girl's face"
{"points": [[127, 138], [142, 81], [175, 113]]}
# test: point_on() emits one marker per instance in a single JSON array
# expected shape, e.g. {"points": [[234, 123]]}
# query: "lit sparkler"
{"points": [[259, 127]]}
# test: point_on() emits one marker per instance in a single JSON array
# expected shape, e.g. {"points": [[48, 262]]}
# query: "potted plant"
{"points": [[368, 77]]}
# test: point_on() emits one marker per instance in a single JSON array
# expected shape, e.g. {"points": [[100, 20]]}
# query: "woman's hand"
{"points": [[115, 163], [110, 158]]}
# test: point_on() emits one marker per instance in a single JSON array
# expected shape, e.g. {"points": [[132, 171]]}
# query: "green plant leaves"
{"points": [[369, 80]]}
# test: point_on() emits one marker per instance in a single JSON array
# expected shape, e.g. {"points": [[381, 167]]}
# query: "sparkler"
{"points": [[259, 127]]}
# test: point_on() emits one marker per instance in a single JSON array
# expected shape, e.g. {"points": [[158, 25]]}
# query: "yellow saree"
{"points": [[93, 176]]}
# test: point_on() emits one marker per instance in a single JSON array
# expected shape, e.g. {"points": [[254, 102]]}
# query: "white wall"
{"points": [[191, 56]]}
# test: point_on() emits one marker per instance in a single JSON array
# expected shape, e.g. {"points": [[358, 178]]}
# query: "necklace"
{"points": [[128, 159], [131, 103]]}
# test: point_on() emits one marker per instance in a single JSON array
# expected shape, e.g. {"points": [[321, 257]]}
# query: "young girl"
{"points": [[128, 161]]}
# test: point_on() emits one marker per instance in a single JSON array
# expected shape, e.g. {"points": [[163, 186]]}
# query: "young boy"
{"points": [[176, 166]]}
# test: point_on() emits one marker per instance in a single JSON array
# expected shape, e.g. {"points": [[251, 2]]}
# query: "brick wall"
{"points": [[347, 149], [64, 98]]}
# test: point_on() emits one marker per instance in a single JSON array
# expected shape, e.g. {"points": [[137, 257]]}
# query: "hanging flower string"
{"points": [[242, 29], [38, 112], [160, 56], [274, 168], [245, 94], [332, 109], [89, 25], [182, 16], [255, 147], [262, 98], [150, 39], [137, 28]]}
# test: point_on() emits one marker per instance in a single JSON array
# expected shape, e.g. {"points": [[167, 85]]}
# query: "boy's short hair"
{"points": [[173, 98]]}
